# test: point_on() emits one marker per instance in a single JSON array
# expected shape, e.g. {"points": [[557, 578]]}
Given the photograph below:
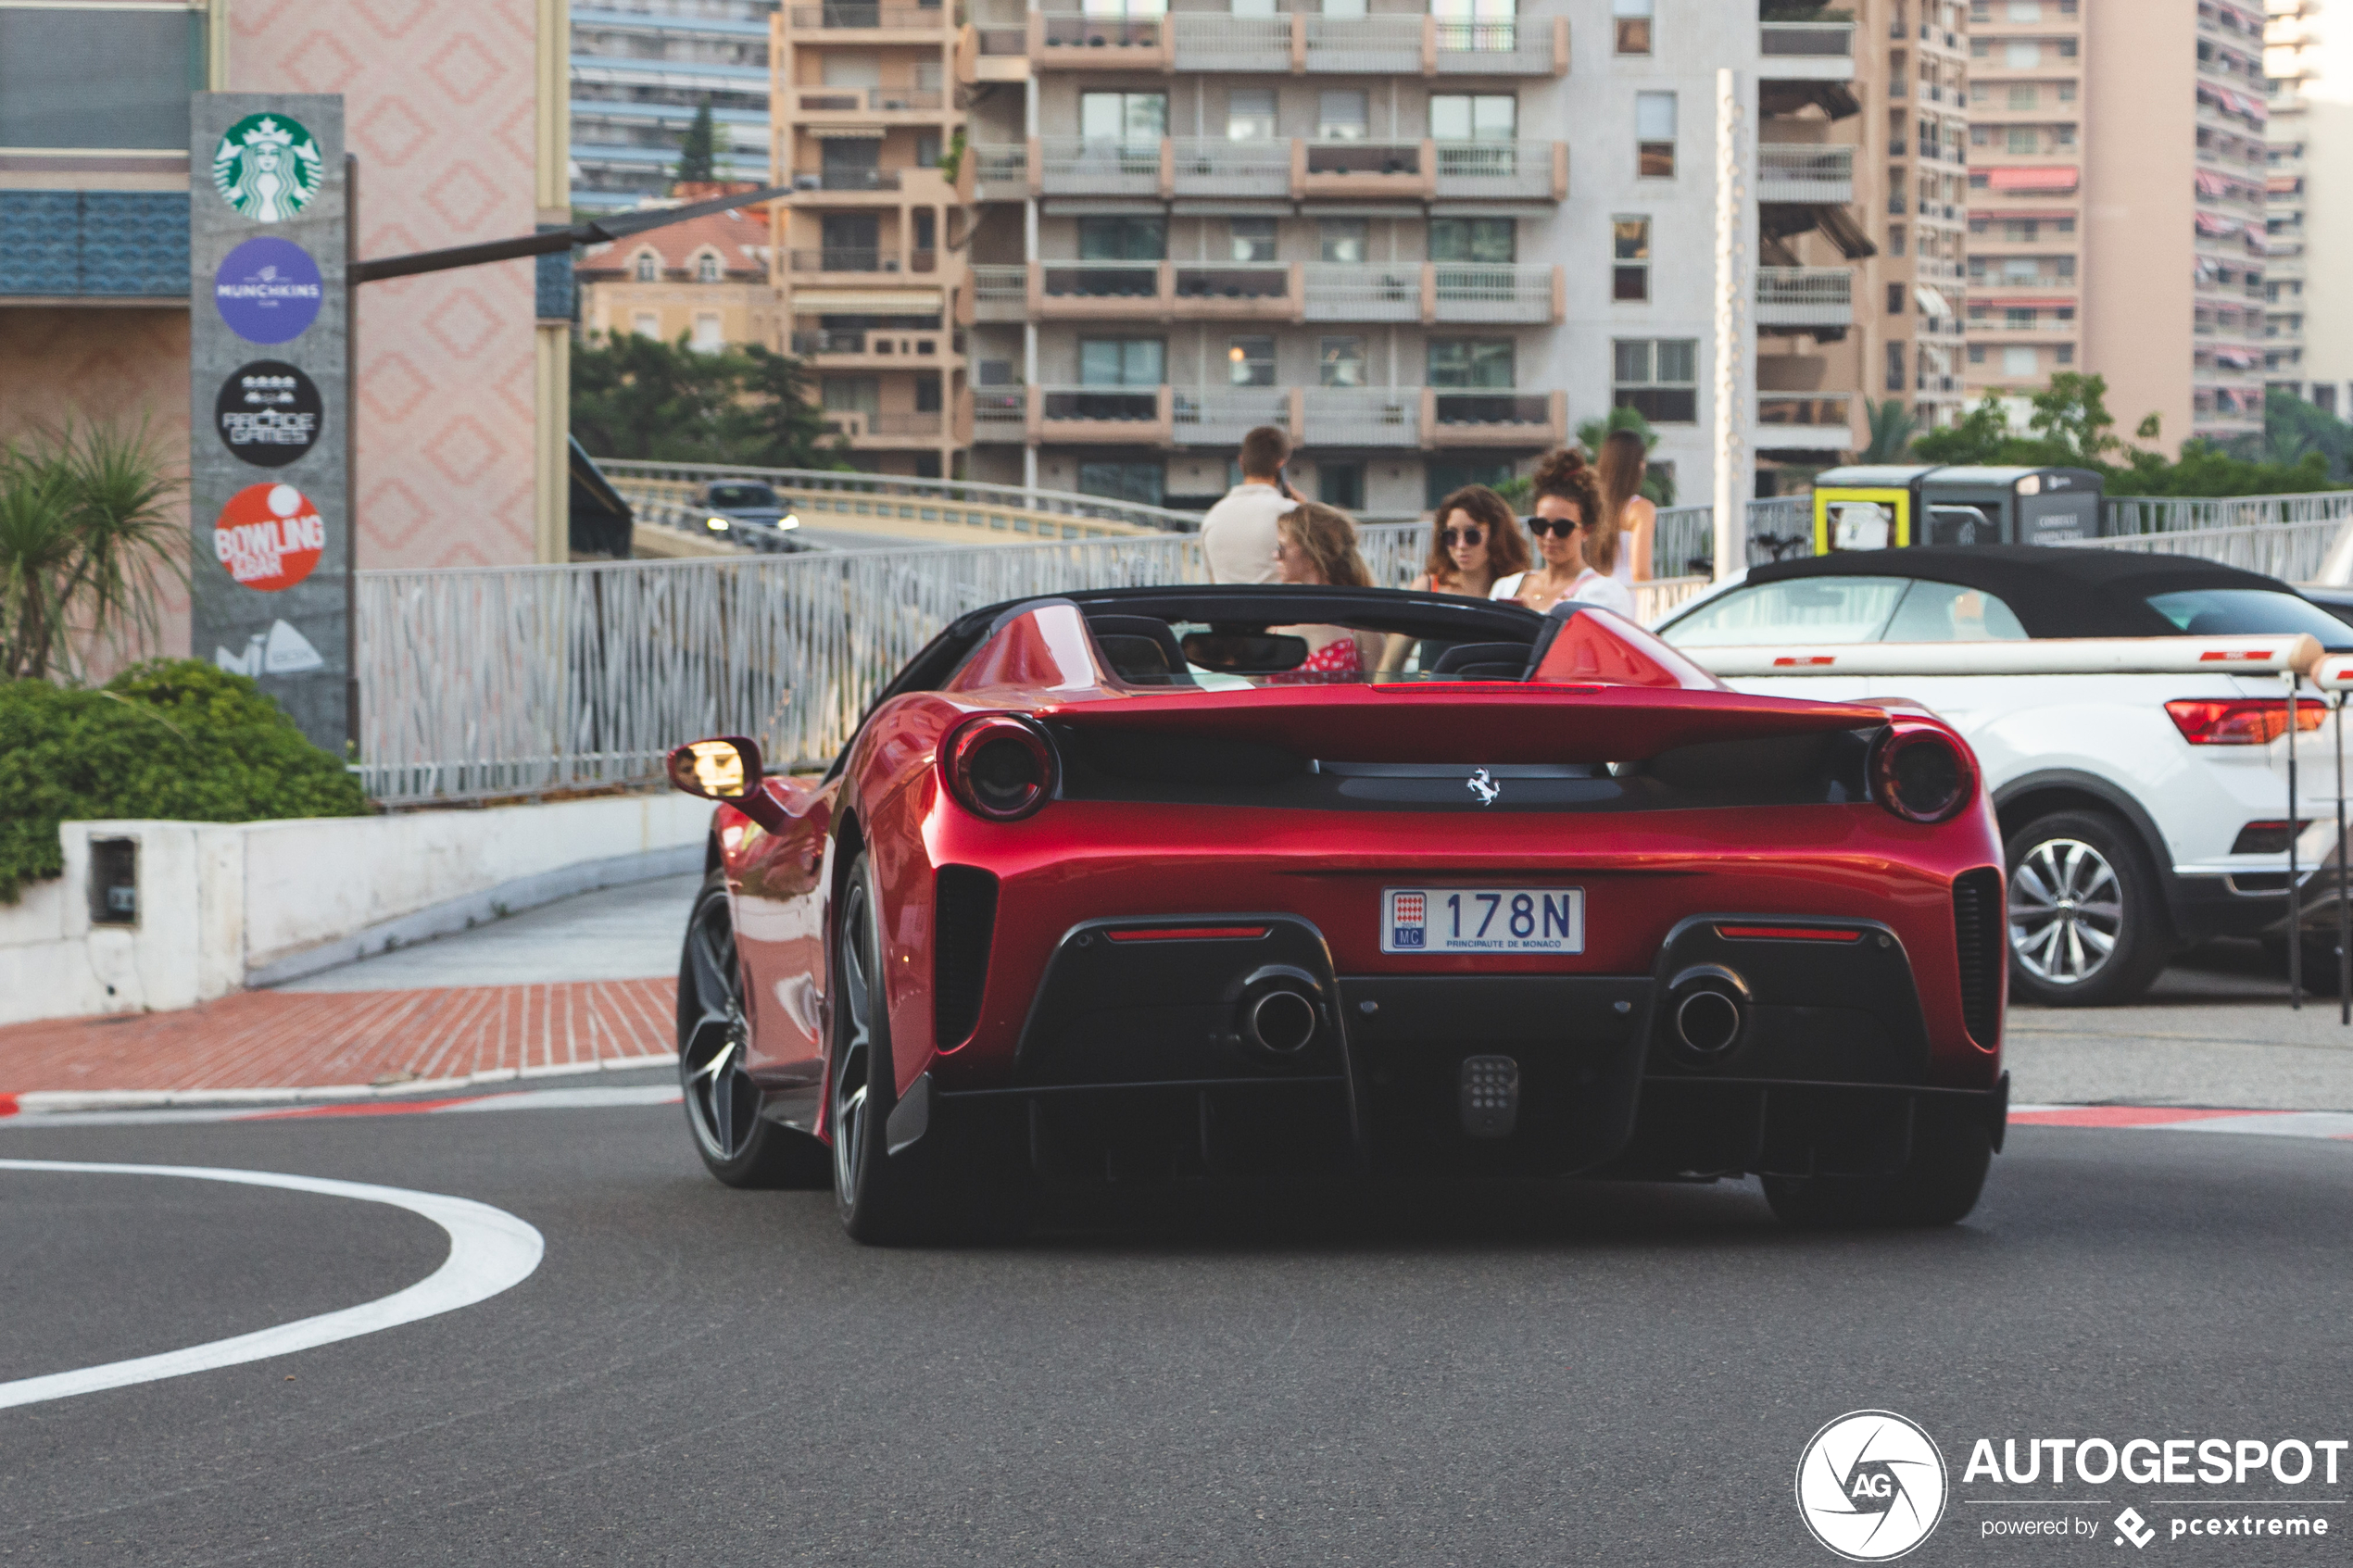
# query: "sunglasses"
{"points": [[1564, 526], [1469, 538]]}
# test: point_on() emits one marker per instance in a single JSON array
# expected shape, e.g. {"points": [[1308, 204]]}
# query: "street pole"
{"points": [[2295, 916], [2344, 912], [1731, 305]]}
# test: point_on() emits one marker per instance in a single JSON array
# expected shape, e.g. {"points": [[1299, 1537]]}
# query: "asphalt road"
{"points": [[1616, 1375]]}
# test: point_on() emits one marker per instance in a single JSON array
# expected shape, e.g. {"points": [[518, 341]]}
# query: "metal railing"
{"points": [[1075, 166], [1222, 416], [856, 14], [1361, 292], [1806, 296], [871, 495], [524, 680], [1473, 291], [1217, 42], [2294, 552], [1378, 45], [1494, 168], [1805, 172], [2169, 514], [1783, 40]]}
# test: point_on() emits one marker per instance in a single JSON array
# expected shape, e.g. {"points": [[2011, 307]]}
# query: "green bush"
{"points": [[172, 738]]}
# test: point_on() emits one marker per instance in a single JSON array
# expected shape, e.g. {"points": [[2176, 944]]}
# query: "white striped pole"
{"points": [[2055, 655]]}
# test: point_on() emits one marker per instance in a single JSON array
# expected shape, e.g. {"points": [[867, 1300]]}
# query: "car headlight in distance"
{"points": [[1001, 767], [716, 524], [788, 520], [1921, 774]]}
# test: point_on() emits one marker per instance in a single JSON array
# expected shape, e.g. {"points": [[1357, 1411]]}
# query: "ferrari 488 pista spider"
{"points": [[1126, 886]]}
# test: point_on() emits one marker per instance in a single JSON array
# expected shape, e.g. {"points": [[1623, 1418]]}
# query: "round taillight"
{"points": [[1000, 767], [1922, 775]]}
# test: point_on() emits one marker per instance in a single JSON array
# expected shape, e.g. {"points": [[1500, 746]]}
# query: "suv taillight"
{"points": [[1922, 774], [999, 766], [2246, 720]]}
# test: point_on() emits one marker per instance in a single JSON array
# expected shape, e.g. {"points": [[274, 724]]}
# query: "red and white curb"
{"points": [[48, 1102], [603, 1097], [2333, 1124]]}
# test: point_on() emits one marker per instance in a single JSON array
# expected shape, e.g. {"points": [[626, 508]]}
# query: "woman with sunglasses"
{"points": [[1474, 540], [1569, 513]]}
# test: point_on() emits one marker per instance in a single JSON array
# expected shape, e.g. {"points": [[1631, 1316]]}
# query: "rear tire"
{"points": [[2086, 927], [738, 1144], [1938, 1186], [884, 1199]]}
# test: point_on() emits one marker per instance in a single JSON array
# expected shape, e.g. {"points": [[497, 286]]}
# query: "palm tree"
{"points": [[1892, 426], [86, 541]]}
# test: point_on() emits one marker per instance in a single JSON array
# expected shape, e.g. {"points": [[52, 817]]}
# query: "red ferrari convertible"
{"points": [[1149, 885]]}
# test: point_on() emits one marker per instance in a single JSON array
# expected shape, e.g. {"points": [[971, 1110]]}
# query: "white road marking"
{"points": [[490, 1250]]}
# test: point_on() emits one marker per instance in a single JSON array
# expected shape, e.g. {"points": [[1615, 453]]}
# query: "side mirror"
{"points": [[728, 769]]}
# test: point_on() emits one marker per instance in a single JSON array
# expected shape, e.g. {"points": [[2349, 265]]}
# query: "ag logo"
{"points": [[1870, 1485], [268, 166]]}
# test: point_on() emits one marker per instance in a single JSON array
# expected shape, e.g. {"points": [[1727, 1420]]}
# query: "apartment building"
{"points": [[2117, 206], [641, 70], [1087, 246], [2308, 328], [2290, 59], [707, 280]]}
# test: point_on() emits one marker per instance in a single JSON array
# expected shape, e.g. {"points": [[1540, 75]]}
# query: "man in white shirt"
{"points": [[1237, 534]]}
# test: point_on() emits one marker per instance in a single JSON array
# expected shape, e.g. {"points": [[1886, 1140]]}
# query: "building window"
{"points": [[1977, 354], [1341, 485], [1629, 279], [2017, 364], [2324, 397], [1896, 300], [850, 394], [2021, 139], [1654, 136], [709, 338], [2022, 54], [1633, 19], [707, 267], [1895, 239], [1470, 362], [1129, 119], [645, 323], [1249, 361], [1473, 117], [1895, 366], [1121, 362], [1345, 240], [2024, 95], [1123, 239], [1657, 377], [1253, 239], [1342, 116], [2063, 354], [1492, 242], [1142, 483], [1340, 361], [647, 268], [1249, 114]]}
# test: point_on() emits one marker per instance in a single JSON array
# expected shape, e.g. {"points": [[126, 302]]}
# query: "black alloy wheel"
{"points": [[739, 1145], [883, 1198]]}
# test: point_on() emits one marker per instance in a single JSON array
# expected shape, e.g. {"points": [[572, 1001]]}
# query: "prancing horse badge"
{"points": [[1483, 786]]}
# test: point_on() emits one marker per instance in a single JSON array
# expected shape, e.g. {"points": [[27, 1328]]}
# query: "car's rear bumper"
{"points": [[1140, 1060]]}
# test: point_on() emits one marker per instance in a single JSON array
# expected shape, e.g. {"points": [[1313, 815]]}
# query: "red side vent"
{"points": [[1190, 934], [1788, 934]]}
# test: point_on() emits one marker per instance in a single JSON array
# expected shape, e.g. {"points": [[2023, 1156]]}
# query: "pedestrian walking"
{"points": [[1238, 534]]}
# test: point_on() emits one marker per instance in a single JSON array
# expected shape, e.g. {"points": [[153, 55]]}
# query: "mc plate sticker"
{"points": [[1482, 919]]}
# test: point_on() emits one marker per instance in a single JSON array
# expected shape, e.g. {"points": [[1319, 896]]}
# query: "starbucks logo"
{"points": [[268, 166]]}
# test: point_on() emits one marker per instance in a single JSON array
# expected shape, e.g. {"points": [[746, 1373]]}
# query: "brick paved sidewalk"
{"points": [[288, 1040]]}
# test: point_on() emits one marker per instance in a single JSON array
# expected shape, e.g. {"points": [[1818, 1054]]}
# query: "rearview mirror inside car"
{"points": [[1245, 653]]}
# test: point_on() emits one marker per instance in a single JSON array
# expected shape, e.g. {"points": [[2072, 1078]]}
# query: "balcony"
{"points": [[1213, 166], [1370, 170], [1141, 416], [1098, 290], [1000, 171], [1461, 291], [1504, 170], [860, 264], [997, 294], [850, 180], [1812, 51], [1000, 414], [1071, 166], [1222, 416], [1305, 44], [1358, 291], [1207, 40], [822, 103], [1362, 416], [1495, 419], [858, 22], [1805, 297], [1386, 45], [1804, 421], [1805, 175], [1239, 291], [1989, 328], [1523, 47], [846, 350], [871, 432], [1063, 41]]}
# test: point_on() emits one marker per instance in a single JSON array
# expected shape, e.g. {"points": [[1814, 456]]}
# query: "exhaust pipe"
{"points": [[1707, 1008], [1281, 1021]]}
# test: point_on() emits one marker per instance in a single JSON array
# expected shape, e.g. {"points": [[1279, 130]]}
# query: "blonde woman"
{"points": [[1315, 543], [1630, 519], [1474, 540]]}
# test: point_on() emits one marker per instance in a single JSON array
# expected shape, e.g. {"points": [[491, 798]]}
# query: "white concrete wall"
{"points": [[224, 906]]}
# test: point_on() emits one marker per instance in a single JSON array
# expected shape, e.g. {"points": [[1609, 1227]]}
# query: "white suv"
{"points": [[2140, 813]]}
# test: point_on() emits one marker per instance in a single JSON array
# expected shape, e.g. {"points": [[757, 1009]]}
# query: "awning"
{"points": [[2214, 225], [1839, 225], [2006, 302], [2284, 184], [866, 302], [2211, 184], [1931, 301], [2052, 178]]}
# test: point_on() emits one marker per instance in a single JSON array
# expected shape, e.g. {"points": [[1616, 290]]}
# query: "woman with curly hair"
{"points": [[1474, 540], [1568, 517], [1317, 543]]}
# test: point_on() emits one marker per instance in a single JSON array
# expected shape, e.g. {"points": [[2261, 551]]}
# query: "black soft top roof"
{"points": [[2055, 591]]}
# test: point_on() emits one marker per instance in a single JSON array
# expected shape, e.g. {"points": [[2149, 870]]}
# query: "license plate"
{"points": [[1482, 919]]}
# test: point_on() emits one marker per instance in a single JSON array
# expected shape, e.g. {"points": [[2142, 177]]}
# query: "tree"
{"points": [[86, 542], [1891, 428], [1976, 437], [699, 155], [2293, 427], [641, 397]]}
